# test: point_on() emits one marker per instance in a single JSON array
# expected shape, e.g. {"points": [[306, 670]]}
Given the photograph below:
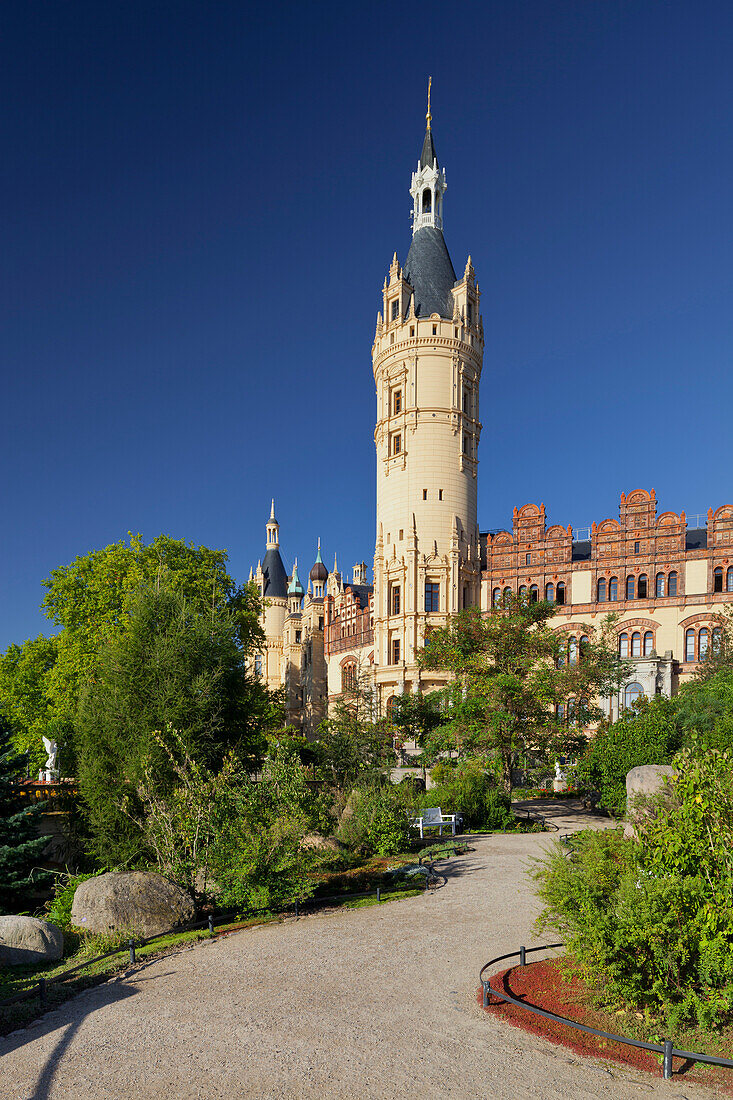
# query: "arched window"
{"points": [[718, 579], [550, 592], [641, 588], [601, 590], [496, 597], [660, 586], [630, 588], [717, 640], [507, 596], [613, 589], [523, 593], [672, 584], [690, 645], [702, 643], [561, 712], [584, 643], [534, 593], [560, 597], [390, 706], [348, 678], [571, 712], [648, 642], [632, 693], [729, 580], [427, 201], [573, 651], [636, 644], [623, 645]]}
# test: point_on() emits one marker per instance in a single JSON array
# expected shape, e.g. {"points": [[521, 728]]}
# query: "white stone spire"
{"points": [[428, 182]]}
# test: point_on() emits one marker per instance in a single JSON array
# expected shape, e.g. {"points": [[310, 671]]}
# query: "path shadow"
{"points": [[106, 993], [555, 809]]}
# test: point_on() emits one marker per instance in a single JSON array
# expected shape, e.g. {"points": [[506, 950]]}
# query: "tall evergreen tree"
{"points": [[20, 847]]}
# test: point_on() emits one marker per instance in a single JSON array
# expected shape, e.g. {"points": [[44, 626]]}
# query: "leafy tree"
{"points": [[512, 673], [648, 733], [653, 730], [354, 745], [25, 698], [704, 710], [258, 857], [175, 666], [417, 716], [90, 601], [20, 846]]}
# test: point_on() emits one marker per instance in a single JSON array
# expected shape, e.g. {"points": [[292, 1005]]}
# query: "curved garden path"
{"points": [[377, 1002]]}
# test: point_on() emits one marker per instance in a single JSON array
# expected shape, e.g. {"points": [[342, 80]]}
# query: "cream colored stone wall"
{"points": [[696, 577], [426, 491]]}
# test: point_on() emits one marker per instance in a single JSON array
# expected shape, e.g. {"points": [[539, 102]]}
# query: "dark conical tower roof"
{"points": [[275, 578], [429, 271]]}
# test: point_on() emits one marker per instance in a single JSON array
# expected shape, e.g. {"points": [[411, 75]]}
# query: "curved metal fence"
{"points": [[666, 1048]]}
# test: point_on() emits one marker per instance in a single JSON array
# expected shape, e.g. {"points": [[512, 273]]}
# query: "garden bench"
{"points": [[433, 818]]}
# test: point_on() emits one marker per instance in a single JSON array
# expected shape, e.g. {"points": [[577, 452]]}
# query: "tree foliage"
{"points": [[21, 848], [653, 730], [90, 601], [175, 666], [512, 672], [26, 699]]}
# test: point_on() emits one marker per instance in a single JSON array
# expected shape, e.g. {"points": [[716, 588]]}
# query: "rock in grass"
{"points": [[137, 901], [26, 940]]}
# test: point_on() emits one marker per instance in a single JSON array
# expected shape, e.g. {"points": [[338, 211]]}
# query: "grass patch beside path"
{"points": [[14, 979]]}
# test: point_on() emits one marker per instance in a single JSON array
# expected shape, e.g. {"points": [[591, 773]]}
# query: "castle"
{"points": [[665, 576]]}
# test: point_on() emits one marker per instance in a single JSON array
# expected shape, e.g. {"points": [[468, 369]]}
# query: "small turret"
{"points": [[319, 575], [273, 530], [296, 591]]}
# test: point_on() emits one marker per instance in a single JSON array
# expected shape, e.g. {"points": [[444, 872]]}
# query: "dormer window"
{"points": [[470, 313], [427, 201], [395, 309]]}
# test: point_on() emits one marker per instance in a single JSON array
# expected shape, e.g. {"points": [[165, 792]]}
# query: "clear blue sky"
{"points": [[200, 202]]}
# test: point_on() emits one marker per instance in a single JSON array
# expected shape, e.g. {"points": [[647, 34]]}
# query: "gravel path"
{"points": [[362, 1003]]}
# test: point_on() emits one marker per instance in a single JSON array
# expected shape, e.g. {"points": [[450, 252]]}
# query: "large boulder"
{"points": [[139, 901], [644, 784], [26, 940]]}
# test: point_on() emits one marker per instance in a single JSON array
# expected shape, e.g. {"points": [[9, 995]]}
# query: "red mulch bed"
{"points": [[548, 985]]}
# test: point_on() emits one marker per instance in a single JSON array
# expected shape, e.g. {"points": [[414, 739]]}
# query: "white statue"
{"points": [[50, 772], [559, 775]]}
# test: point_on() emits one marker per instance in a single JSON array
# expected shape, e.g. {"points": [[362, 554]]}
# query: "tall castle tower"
{"points": [[427, 357]]}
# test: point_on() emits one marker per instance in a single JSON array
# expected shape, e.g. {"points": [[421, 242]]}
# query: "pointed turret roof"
{"points": [[428, 155], [319, 571], [295, 588], [428, 268], [429, 271]]}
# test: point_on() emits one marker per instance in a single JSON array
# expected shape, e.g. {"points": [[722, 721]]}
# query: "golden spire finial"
{"points": [[428, 116]]}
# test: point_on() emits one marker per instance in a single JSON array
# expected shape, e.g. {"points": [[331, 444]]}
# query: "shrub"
{"points": [[651, 922], [646, 735], [378, 823], [467, 788], [58, 909]]}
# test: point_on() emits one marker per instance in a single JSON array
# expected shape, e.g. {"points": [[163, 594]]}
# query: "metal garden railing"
{"points": [[666, 1048]]}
